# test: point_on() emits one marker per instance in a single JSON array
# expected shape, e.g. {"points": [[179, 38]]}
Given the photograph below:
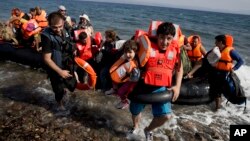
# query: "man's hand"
{"points": [[65, 74], [176, 91]]}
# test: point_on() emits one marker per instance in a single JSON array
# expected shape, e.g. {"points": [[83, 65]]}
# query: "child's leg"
{"points": [[125, 90]]}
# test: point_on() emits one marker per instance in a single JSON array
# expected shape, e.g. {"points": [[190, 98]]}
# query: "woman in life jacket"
{"points": [[110, 54], [40, 17], [223, 66], [125, 73], [31, 34], [195, 52], [16, 22]]}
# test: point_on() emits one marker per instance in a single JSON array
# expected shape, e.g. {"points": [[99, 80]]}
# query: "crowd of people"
{"points": [[120, 65]]}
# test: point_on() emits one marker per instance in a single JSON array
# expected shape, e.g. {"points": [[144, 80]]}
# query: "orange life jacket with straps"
{"points": [[41, 19], [27, 34], [160, 66], [226, 62], [121, 70], [194, 54], [85, 50], [17, 23]]}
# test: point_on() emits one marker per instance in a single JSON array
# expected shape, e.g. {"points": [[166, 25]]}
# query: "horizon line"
{"points": [[246, 13]]}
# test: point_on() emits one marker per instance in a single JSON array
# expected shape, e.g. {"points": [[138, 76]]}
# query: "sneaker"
{"points": [[109, 92], [122, 105], [148, 135], [134, 131]]}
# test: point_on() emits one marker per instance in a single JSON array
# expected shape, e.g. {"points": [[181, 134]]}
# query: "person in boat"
{"points": [[83, 46], [67, 25], [109, 55], [196, 51], [15, 23], [157, 77], [32, 13], [7, 34], [84, 23], [223, 66], [58, 56], [30, 33], [124, 83], [41, 17], [74, 24]]}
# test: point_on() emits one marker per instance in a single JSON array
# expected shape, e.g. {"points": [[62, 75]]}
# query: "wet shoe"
{"points": [[122, 105], [109, 92], [134, 131], [148, 135]]}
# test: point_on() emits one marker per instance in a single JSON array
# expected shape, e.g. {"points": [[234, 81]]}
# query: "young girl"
{"points": [[125, 72]]}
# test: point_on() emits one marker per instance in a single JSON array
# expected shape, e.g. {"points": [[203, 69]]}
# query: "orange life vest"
{"points": [[17, 23], [28, 34], [121, 69], [160, 66], [226, 62], [144, 49], [41, 19], [91, 74], [194, 54], [98, 38], [138, 33], [85, 50]]}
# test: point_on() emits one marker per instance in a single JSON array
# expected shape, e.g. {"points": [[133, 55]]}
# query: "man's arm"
{"points": [[53, 66], [235, 56], [178, 78], [47, 54]]}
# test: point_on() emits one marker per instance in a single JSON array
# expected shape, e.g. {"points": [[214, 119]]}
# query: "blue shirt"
{"points": [[235, 56]]}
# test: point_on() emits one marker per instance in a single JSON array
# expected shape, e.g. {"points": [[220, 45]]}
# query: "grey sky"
{"points": [[231, 6]]}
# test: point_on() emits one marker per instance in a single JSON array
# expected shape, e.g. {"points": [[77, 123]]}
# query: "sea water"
{"points": [[125, 19]]}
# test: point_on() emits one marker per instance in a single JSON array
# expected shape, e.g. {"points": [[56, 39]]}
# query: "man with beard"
{"points": [[58, 56]]}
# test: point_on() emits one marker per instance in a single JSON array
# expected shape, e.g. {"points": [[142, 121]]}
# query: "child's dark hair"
{"points": [[82, 36], [130, 45], [111, 34], [196, 37], [221, 38], [166, 28]]}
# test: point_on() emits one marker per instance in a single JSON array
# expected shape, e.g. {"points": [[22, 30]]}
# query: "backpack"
{"points": [[233, 91]]}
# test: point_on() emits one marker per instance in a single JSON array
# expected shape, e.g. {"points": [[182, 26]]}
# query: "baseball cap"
{"points": [[61, 7]]}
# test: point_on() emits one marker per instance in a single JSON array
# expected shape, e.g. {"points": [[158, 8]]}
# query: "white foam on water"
{"points": [[44, 90], [229, 113]]}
